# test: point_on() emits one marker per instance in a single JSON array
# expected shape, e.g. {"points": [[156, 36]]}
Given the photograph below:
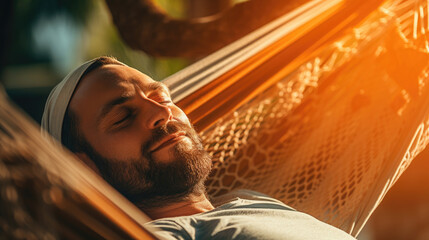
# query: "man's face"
{"points": [[141, 142]]}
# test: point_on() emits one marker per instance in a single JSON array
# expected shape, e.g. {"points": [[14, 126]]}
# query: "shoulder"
{"points": [[170, 228]]}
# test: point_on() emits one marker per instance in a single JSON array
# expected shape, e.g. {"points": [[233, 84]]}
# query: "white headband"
{"points": [[58, 101]]}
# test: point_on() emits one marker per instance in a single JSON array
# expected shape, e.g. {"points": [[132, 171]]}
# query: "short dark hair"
{"points": [[71, 137]]}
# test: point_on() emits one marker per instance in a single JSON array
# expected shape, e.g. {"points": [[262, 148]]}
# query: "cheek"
{"points": [[121, 146]]}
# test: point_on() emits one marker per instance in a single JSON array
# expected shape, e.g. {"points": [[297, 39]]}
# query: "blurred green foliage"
{"points": [[27, 13], [175, 8], [48, 38], [90, 30]]}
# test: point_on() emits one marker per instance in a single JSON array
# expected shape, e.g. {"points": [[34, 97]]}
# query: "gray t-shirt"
{"points": [[250, 216]]}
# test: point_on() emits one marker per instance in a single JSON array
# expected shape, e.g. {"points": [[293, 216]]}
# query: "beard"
{"points": [[150, 183]]}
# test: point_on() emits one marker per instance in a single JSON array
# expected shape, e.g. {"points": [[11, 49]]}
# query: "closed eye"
{"points": [[123, 121], [162, 99], [165, 102]]}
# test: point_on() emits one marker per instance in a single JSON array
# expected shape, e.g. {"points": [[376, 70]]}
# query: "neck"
{"points": [[192, 204]]}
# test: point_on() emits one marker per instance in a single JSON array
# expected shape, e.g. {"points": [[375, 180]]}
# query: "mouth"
{"points": [[167, 141]]}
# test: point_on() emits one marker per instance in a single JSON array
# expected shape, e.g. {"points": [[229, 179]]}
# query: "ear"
{"points": [[85, 159]]}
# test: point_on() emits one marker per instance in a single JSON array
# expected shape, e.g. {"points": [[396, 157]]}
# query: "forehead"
{"points": [[114, 76], [110, 81]]}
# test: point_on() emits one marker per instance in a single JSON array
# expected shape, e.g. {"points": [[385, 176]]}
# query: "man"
{"points": [[124, 125]]}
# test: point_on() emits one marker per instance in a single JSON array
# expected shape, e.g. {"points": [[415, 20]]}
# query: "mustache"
{"points": [[171, 127]]}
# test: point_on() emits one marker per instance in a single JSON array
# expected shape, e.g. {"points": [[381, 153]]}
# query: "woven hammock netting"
{"points": [[332, 137]]}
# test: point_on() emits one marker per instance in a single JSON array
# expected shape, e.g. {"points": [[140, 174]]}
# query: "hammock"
{"points": [[323, 109], [326, 126]]}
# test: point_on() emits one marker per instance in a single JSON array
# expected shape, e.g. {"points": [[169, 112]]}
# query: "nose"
{"points": [[157, 114]]}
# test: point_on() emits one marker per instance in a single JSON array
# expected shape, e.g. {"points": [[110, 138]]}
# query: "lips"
{"points": [[167, 140]]}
